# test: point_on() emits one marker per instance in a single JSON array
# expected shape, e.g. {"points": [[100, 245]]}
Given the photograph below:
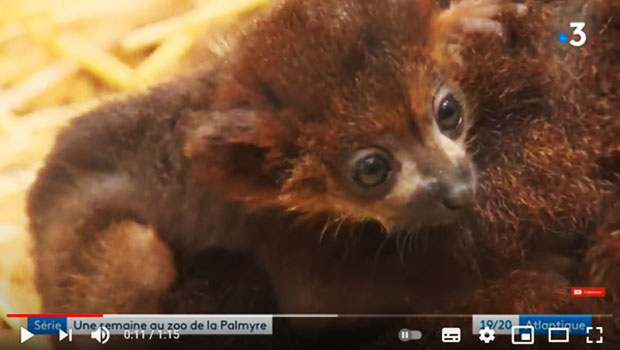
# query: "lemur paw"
{"points": [[477, 16], [467, 17]]}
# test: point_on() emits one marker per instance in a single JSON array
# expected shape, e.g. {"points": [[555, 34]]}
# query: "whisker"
{"points": [[410, 239], [405, 234], [341, 219], [325, 227]]}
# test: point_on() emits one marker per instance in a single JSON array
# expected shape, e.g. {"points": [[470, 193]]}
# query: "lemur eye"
{"points": [[449, 113], [371, 171], [371, 168]]}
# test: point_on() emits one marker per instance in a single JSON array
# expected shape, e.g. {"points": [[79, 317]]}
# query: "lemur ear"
{"points": [[241, 151]]}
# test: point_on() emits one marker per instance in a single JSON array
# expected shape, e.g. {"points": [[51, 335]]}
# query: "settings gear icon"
{"points": [[487, 335]]}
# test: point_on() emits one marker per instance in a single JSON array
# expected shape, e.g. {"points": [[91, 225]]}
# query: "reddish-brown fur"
{"points": [[246, 157], [549, 187]]}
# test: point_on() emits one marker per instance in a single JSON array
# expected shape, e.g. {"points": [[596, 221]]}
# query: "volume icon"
{"points": [[101, 334]]}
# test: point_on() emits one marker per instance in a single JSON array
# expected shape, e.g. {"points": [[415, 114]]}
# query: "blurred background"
{"points": [[60, 58]]}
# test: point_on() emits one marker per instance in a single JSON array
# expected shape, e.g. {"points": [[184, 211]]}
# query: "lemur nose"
{"points": [[454, 195], [457, 196]]}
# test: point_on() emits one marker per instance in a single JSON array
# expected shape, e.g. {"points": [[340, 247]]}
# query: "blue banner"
{"points": [[46, 325], [575, 323]]}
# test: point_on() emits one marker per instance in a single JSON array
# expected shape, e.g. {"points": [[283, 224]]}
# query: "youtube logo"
{"points": [[588, 292]]}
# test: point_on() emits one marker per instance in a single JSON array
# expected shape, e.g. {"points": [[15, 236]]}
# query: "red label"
{"points": [[588, 292]]}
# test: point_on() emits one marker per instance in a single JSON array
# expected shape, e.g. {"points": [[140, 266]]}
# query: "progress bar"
{"points": [[276, 315]]}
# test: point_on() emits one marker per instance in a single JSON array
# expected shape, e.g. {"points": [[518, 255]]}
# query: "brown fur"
{"points": [[554, 169], [247, 157]]}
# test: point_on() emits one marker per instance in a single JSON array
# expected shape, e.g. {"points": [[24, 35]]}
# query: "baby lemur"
{"points": [[330, 119], [333, 130]]}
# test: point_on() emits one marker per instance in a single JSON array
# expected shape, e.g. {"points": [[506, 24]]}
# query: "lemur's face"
{"points": [[346, 109], [396, 155], [419, 175]]}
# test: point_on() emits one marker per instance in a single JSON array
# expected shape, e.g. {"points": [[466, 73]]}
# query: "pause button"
{"points": [[406, 335]]}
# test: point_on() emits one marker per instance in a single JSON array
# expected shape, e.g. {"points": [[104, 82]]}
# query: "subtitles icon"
{"points": [[101, 334], [559, 335], [450, 335], [522, 335]]}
